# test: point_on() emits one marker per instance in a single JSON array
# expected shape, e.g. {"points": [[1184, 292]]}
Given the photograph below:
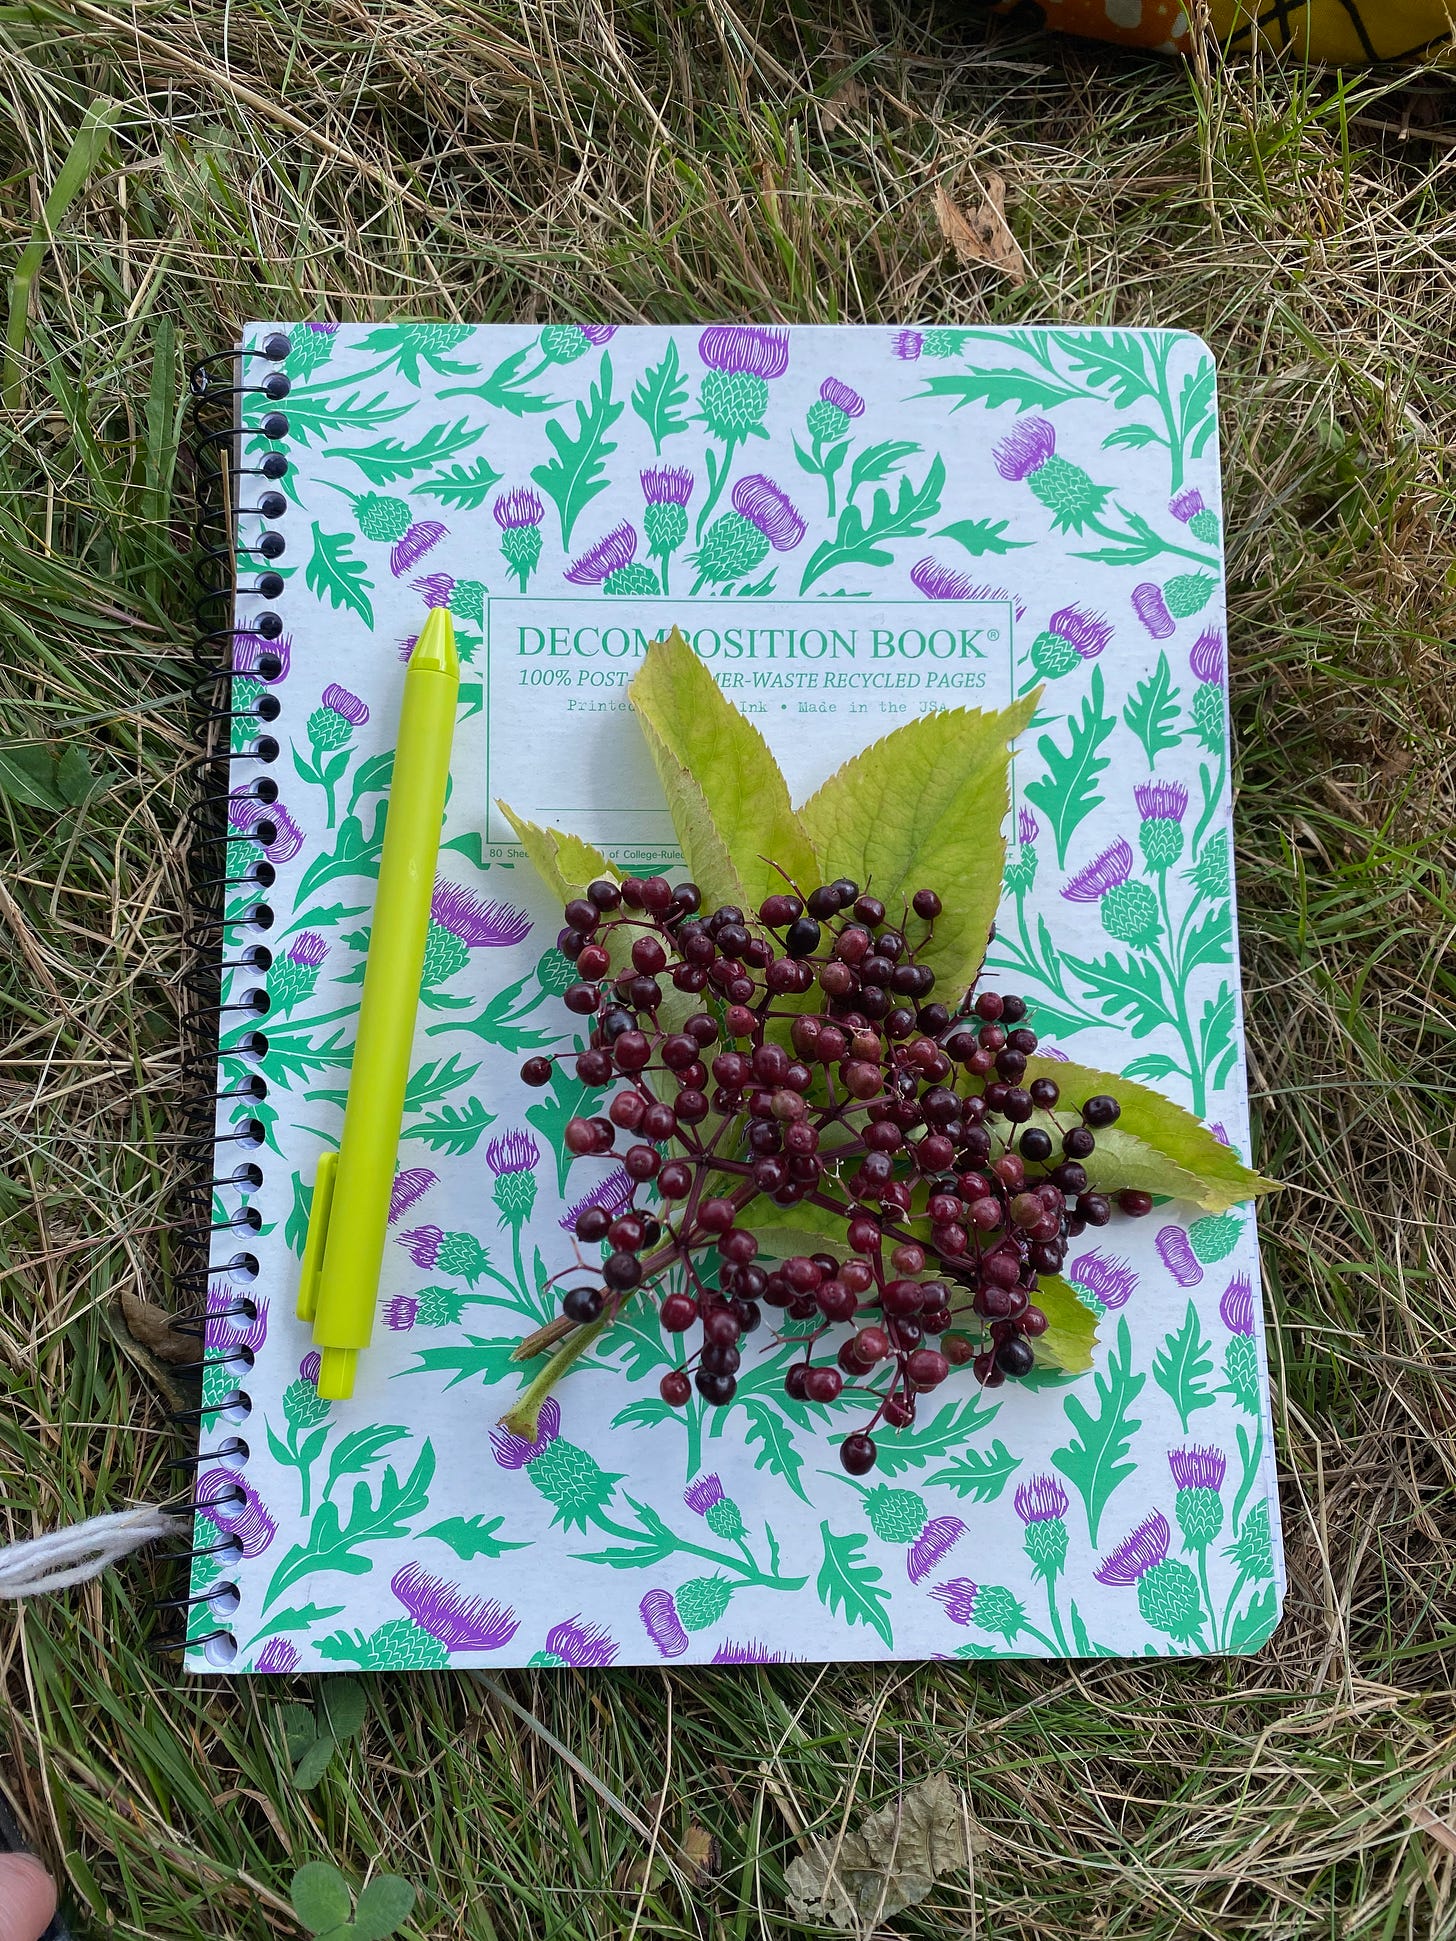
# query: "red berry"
{"points": [[536, 1071], [823, 1385], [631, 1051], [899, 1411], [802, 1274], [1000, 1270], [908, 1258], [863, 1234], [1033, 1321], [857, 1275], [715, 1216], [679, 1311], [720, 1326], [950, 1238], [927, 1368], [794, 1379], [901, 1297], [675, 1388], [580, 1136], [985, 1214], [642, 1162], [737, 1245], [626, 1110], [836, 1301], [957, 1349], [1135, 1204], [656, 894], [872, 1344], [628, 1230], [858, 1454], [593, 961]]}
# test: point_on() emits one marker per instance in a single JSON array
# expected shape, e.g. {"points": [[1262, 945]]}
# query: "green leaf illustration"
{"points": [[776, 1452], [295, 1229], [1131, 984], [980, 1474], [320, 1896], [1196, 416], [659, 396], [472, 1536], [1256, 1623], [925, 805], [1095, 1461], [316, 414], [465, 487], [336, 576], [877, 462], [355, 853], [1023, 389], [436, 1080], [360, 1449], [454, 1129], [1216, 1037], [1211, 941], [489, 1359], [980, 536], [335, 1545], [1113, 360], [946, 1434], [726, 792], [1213, 1175], [848, 1584], [392, 458], [1182, 1366], [298, 1617], [565, 1098], [1132, 438], [861, 542], [1067, 794], [1152, 711], [577, 474]]}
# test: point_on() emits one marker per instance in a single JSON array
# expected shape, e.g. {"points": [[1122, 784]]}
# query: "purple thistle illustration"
{"points": [[422, 1244], [407, 647], [908, 344], [458, 1622], [1041, 1500], [338, 700], [703, 1494], [582, 1646], [308, 950], [739, 348], [1025, 449], [221, 1333], [1205, 657], [226, 1499], [1236, 1307], [1186, 504], [1152, 609], [1105, 872], [401, 1313], [609, 555], [599, 333], [515, 1452], [1027, 827], [958, 1595], [611, 1192], [1220, 1134], [278, 1655], [513, 1152], [935, 1542], [664, 1626], [323, 329], [288, 837], [1137, 1554], [434, 589], [1085, 633], [1199, 1466], [407, 552], [1107, 1279], [666, 484], [763, 505], [750, 1652], [409, 1186], [308, 1368], [939, 582], [250, 650], [1177, 1256], [1161, 800], [842, 397], [479, 924], [516, 509]]}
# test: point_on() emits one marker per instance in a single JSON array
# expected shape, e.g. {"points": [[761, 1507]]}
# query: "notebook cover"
{"points": [[853, 526]]}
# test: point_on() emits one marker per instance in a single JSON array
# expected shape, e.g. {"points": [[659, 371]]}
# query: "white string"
{"points": [[79, 1552]]}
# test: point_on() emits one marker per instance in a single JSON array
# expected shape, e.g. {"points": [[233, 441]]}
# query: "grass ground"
{"points": [[738, 158]]}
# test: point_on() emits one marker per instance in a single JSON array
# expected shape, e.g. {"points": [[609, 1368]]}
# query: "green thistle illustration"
{"points": [[895, 1515], [1214, 1237], [702, 1601], [1187, 594], [732, 548], [564, 343], [1253, 1549], [1028, 454], [572, 1481], [467, 601]]}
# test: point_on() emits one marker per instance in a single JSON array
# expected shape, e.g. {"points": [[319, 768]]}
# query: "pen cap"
{"points": [[434, 651]]}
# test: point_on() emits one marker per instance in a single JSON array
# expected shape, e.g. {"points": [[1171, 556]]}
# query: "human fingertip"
{"points": [[27, 1897]]}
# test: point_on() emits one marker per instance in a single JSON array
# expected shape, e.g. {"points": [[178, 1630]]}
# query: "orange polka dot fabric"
{"points": [[1344, 32]]}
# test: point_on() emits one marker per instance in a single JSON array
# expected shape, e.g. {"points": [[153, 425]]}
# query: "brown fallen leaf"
{"points": [[890, 1863], [981, 235], [151, 1327]]}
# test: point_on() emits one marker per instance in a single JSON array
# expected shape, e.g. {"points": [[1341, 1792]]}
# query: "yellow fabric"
{"points": [[1345, 32]]}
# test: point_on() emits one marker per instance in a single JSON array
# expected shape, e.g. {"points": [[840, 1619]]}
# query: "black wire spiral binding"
{"points": [[235, 638]]}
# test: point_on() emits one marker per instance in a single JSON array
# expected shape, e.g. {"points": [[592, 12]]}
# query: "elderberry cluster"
{"points": [[818, 1067]]}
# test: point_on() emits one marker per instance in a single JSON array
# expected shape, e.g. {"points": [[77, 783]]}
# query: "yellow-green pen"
{"points": [[350, 1212]]}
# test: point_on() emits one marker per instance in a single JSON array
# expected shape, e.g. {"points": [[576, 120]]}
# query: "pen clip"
{"points": [[318, 1236]]}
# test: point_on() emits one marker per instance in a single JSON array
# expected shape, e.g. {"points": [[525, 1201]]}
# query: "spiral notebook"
{"points": [[852, 526]]}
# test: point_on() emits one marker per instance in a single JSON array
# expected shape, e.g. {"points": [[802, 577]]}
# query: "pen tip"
{"points": [[435, 648]]}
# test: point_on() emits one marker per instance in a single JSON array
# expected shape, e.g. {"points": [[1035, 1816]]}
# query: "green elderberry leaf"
{"points": [[923, 808], [564, 863], [1156, 1146], [320, 1896], [1071, 1332], [728, 800]]}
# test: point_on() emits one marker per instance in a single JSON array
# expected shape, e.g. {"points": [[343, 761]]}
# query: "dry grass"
{"points": [[736, 158]]}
